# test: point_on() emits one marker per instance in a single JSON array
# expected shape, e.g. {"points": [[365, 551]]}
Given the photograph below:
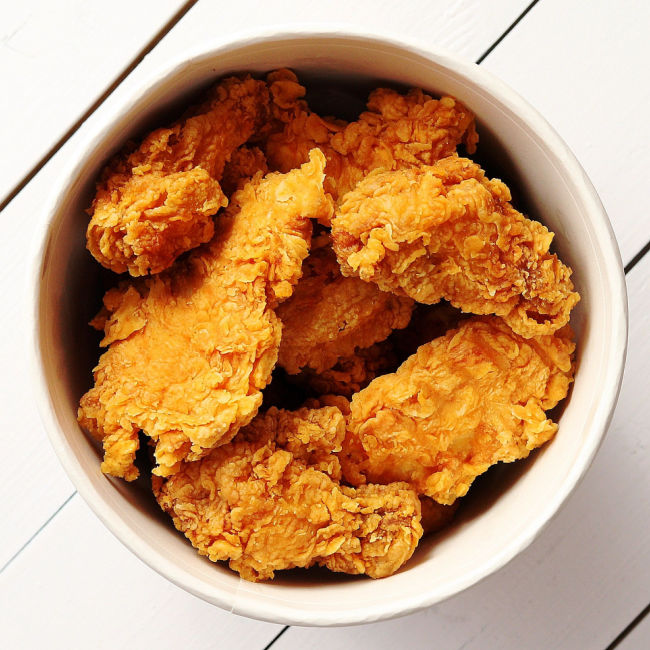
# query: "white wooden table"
{"points": [[65, 582]]}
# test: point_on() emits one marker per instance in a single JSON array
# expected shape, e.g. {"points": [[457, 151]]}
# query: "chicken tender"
{"points": [[270, 500], [397, 131], [256, 347], [190, 350], [158, 201], [463, 402], [446, 231], [330, 316]]}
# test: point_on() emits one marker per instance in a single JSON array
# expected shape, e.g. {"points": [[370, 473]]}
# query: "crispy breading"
{"points": [[287, 102], [354, 372], [190, 350], [330, 316], [270, 500], [210, 355], [396, 131], [158, 201], [244, 163], [446, 231], [463, 402]]}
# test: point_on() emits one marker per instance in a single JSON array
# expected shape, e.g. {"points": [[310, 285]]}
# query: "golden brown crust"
{"points": [[270, 500], [189, 350], [351, 480], [157, 202], [446, 231], [397, 131], [330, 316], [463, 402]]}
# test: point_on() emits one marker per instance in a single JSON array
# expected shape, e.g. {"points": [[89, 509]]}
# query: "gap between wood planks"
{"points": [[642, 614], [127, 71], [516, 21], [36, 533], [167, 27]]}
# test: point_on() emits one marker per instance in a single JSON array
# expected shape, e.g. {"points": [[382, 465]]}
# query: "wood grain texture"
{"points": [[26, 452], [87, 591], [56, 58], [583, 65], [588, 574]]}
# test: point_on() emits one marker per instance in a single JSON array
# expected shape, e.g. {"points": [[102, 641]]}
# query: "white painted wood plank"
{"points": [[584, 65], [35, 481], [76, 586], [36, 484], [584, 579], [638, 638], [465, 27], [56, 59], [501, 604]]}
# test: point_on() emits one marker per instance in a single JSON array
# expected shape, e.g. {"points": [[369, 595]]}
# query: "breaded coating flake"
{"points": [[469, 399], [446, 231], [190, 350], [270, 500]]}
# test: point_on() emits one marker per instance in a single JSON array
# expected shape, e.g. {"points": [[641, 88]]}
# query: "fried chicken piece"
{"points": [[158, 201], [397, 131], [435, 516], [352, 373], [270, 500], [463, 402], [330, 316], [446, 231], [189, 350], [244, 163]]}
